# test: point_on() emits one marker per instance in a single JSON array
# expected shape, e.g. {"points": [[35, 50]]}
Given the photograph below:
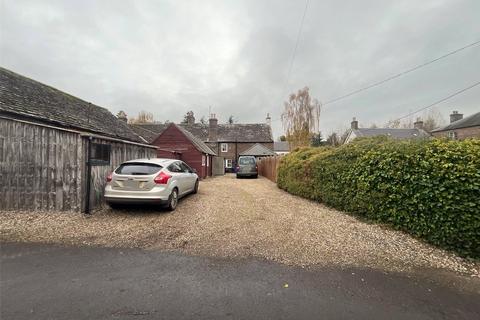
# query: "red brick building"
{"points": [[176, 142], [460, 128], [225, 140]]}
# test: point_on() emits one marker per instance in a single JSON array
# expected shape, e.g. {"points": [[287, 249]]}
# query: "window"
{"points": [[100, 155], [203, 160], [452, 135], [174, 167], [246, 160], [137, 168], [224, 147], [228, 163], [208, 161], [185, 167]]}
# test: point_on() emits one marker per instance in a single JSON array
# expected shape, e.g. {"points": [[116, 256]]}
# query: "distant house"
{"points": [[281, 147], [176, 142], [56, 150], [460, 128], [258, 151], [225, 140], [416, 133]]}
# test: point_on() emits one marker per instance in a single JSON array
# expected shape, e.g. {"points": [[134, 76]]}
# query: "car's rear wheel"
{"points": [[173, 200], [195, 189]]}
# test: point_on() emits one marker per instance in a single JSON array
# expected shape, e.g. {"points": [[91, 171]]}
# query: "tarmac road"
{"points": [[52, 282]]}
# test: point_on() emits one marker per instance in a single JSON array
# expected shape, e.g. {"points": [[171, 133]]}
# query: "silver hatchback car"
{"points": [[150, 181]]}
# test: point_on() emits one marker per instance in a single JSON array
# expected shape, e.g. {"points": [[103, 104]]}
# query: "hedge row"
{"points": [[428, 188]]}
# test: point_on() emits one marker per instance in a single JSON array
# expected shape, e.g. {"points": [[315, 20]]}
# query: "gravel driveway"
{"points": [[241, 218]]}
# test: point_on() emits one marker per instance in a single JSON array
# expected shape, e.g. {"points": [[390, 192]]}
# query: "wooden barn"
{"points": [[55, 149], [178, 143]]}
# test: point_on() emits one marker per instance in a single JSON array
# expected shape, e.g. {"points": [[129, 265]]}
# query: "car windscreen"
{"points": [[247, 161], [138, 169]]}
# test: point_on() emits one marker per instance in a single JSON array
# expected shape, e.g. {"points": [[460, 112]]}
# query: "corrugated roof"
{"points": [[470, 121], [281, 146], [21, 97], [390, 132], [257, 150]]}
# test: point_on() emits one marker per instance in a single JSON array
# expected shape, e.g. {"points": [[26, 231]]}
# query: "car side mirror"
{"points": [[193, 171]]}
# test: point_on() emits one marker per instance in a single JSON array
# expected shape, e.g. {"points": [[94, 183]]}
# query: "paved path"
{"points": [[51, 282]]}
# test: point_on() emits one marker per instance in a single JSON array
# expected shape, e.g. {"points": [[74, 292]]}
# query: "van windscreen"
{"points": [[246, 160]]}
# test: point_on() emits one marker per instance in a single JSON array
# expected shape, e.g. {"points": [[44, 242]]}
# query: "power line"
{"points": [[300, 28], [439, 101], [400, 74]]}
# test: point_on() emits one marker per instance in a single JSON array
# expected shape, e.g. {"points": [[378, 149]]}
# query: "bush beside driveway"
{"points": [[241, 218]]}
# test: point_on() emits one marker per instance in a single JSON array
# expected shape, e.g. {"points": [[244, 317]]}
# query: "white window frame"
{"points": [[228, 163], [203, 160], [452, 135], [224, 147]]}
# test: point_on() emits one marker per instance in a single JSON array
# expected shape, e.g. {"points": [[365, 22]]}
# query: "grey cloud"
{"points": [[168, 57]]}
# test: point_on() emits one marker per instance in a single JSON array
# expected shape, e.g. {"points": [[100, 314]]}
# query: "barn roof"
{"points": [[250, 132], [257, 150], [281, 146], [470, 121], [202, 147], [21, 97]]}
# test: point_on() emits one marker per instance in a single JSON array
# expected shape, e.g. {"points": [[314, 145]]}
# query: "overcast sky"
{"points": [[168, 57]]}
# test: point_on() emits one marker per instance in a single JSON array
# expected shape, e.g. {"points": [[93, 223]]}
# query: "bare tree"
{"points": [[231, 120], [143, 117], [301, 118]]}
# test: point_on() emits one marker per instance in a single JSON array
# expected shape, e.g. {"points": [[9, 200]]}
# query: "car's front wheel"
{"points": [[173, 200]]}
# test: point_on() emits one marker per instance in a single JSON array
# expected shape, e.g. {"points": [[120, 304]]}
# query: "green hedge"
{"points": [[429, 188]]}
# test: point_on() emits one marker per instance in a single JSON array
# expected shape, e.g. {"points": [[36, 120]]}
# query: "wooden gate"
{"points": [[218, 166]]}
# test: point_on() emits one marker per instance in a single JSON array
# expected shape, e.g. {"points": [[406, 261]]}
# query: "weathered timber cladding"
{"points": [[40, 168], [120, 152], [44, 168]]}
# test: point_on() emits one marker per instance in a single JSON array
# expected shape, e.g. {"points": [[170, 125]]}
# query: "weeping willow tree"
{"points": [[301, 118]]}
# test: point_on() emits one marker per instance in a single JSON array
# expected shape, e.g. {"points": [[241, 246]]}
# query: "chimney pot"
{"points": [[212, 128], [122, 116], [455, 116], [418, 124], [354, 124]]}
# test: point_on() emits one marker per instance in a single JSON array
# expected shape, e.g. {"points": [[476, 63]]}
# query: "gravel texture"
{"points": [[241, 218]]}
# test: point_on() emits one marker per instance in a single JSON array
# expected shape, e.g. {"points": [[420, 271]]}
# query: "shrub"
{"points": [[429, 188]]}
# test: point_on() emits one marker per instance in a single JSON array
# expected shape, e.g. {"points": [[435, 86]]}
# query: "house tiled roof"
{"points": [[281, 146], [252, 132], [196, 141], [21, 97], [470, 121], [390, 132], [257, 150]]}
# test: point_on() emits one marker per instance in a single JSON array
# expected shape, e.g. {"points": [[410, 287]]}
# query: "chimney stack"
{"points": [[212, 128], [190, 118], [354, 124], [122, 116], [418, 124], [455, 116], [268, 120]]}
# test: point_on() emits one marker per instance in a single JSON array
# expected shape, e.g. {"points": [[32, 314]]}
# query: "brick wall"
{"points": [[234, 149], [463, 133]]}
